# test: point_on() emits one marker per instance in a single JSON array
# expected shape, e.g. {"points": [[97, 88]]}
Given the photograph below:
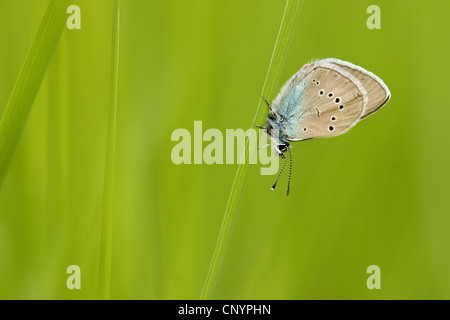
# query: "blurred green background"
{"points": [[377, 195]]}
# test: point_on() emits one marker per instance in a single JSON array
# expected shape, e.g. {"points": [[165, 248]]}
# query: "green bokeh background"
{"points": [[377, 195]]}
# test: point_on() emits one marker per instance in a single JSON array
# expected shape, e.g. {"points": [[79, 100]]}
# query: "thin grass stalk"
{"points": [[106, 234], [28, 83], [285, 33]]}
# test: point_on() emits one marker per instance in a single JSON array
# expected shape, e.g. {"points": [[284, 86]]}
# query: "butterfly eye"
{"points": [[282, 147]]}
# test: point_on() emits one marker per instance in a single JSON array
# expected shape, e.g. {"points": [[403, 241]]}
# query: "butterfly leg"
{"points": [[267, 103]]}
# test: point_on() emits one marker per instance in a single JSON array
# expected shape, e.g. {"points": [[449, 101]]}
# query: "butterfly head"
{"points": [[280, 149], [274, 128]]}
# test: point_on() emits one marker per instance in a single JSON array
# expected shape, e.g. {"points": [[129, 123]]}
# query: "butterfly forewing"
{"points": [[289, 86], [332, 103], [377, 92]]}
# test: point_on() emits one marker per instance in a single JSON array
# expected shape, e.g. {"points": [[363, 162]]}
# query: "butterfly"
{"points": [[324, 99]]}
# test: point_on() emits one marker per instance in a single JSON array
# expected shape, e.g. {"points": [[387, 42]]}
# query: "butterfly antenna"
{"points": [[290, 171], [279, 174]]}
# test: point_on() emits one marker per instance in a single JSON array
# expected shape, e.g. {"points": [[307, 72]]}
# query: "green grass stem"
{"points": [[291, 12], [106, 234], [28, 83]]}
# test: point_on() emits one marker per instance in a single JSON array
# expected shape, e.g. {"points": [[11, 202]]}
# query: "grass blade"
{"points": [[21, 100], [106, 236], [291, 12]]}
